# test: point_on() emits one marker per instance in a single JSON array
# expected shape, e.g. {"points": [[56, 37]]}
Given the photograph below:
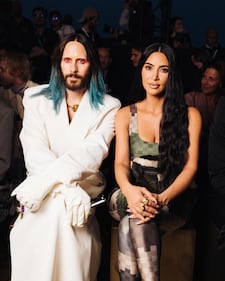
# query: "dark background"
{"points": [[197, 14]]}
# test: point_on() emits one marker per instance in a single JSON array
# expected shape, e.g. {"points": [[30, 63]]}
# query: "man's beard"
{"points": [[81, 85]]}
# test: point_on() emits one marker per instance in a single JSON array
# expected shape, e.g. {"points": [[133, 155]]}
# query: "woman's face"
{"points": [[155, 73], [211, 81]]}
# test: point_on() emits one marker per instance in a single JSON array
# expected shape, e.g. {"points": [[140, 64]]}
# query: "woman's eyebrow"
{"points": [[159, 66]]}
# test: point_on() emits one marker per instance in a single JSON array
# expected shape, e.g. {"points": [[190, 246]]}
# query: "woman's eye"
{"points": [[165, 70], [148, 67]]}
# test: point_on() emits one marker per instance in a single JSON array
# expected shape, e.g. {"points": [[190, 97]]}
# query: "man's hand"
{"points": [[78, 205]]}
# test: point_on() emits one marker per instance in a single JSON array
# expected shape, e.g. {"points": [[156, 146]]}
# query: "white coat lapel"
{"points": [[83, 118]]}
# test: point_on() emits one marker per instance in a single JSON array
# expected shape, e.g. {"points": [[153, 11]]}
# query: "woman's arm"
{"points": [[184, 179], [134, 194]]}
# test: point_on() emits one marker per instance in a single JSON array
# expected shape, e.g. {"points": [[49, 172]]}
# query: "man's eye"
{"points": [[82, 61], [67, 60]]}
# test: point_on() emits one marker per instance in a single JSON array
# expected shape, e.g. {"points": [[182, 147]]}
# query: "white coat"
{"points": [[44, 246]]}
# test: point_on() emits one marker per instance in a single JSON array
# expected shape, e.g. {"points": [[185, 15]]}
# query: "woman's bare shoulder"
{"points": [[194, 116], [123, 112], [123, 117], [193, 112]]}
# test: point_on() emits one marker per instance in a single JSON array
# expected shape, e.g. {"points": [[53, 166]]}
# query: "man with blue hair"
{"points": [[67, 129]]}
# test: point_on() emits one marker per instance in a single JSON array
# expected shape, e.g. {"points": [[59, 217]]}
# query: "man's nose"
{"points": [[74, 67]]}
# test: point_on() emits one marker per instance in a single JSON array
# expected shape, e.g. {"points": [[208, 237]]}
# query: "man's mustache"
{"points": [[74, 75]]}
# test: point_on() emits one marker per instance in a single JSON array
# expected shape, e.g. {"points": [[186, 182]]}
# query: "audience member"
{"points": [[56, 23], [212, 45], [205, 100], [89, 23], [110, 71], [180, 41], [7, 116], [15, 79], [45, 41], [200, 59], [22, 29], [178, 36], [212, 87], [136, 53], [216, 202]]}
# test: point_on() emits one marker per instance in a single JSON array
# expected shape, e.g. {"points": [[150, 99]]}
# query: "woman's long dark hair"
{"points": [[174, 137]]}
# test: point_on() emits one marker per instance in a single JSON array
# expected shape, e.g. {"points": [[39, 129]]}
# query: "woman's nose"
{"points": [[155, 75]]}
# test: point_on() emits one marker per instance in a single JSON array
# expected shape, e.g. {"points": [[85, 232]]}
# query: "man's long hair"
{"points": [[57, 89], [174, 137]]}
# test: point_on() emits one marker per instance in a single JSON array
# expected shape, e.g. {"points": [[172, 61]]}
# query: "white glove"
{"points": [[77, 203], [32, 191]]}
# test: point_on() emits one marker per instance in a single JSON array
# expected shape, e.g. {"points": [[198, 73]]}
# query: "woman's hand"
{"points": [[161, 198], [141, 203]]}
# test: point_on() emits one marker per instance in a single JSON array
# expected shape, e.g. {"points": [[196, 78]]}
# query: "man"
{"points": [[89, 22], [15, 77], [67, 129], [136, 53], [43, 45], [7, 116], [111, 74], [216, 204], [213, 46], [57, 24]]}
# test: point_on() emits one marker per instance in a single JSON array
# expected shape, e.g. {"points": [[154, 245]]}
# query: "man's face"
{"points": [[6, 77], [104, 58], [211, 38], [75, 66], [39, 18], [135, 56]]}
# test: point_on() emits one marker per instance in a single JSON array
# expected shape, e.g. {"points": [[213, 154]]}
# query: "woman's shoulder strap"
{"points": [[133, 119]]}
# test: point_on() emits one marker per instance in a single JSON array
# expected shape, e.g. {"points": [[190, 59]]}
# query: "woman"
{"points": [[156, 156]]}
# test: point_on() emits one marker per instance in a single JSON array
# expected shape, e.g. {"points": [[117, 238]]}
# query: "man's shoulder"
{"points": [[35, 89], [108, 99], [31, 83]]}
